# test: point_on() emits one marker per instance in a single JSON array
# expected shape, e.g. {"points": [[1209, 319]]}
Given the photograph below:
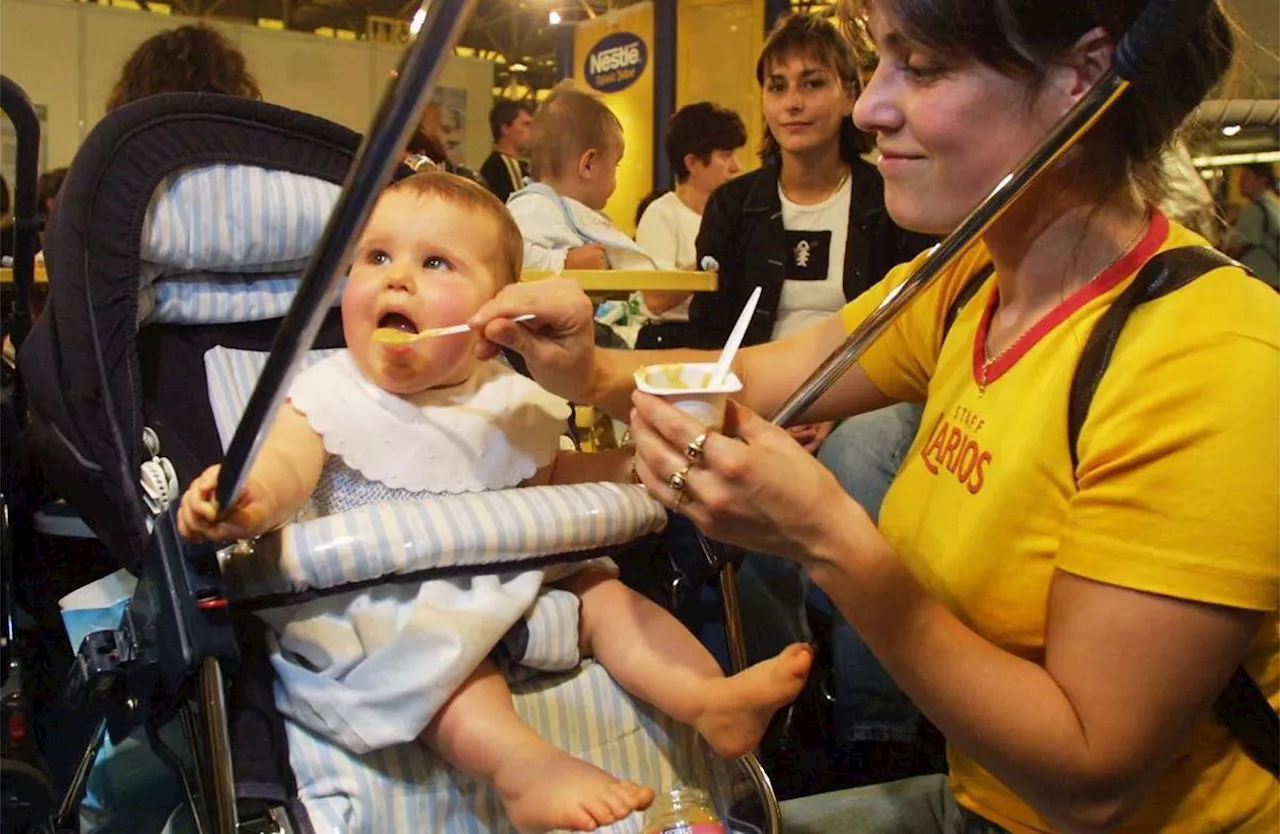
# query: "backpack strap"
{"points": [[1164, 273], [968, 291], [1242, 706]]}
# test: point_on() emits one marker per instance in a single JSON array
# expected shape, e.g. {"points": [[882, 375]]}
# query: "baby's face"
{"points": [[421, 263]]}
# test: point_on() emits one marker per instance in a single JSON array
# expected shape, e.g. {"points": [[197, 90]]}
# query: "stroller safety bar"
{"points": [[491, 532]]}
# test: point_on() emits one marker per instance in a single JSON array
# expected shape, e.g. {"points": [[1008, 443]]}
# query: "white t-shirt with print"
{"points": [[669, 231], [805, 302]]}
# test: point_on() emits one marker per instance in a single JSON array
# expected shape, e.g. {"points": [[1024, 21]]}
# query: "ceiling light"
{"points": [[1231, 130], [419, 17], [519, 68], [1235, 159], [554, 17]]}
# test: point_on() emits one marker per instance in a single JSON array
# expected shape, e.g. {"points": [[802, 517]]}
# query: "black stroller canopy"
{"points": [[81, 360]]}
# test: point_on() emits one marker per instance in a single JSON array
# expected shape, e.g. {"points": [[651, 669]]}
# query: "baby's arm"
{"points": [[549, 241], [612, 466], [283, 477]]}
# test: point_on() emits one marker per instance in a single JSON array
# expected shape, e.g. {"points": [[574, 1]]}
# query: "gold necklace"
{"points": [[989, 361]]}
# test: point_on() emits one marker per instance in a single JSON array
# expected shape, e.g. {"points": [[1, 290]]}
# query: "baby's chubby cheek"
{"points": [[445, 310]]}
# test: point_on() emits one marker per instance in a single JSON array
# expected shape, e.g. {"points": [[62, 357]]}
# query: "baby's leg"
{"points": [[655, 658], [479, 732]]}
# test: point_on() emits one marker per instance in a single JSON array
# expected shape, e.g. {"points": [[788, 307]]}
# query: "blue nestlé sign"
{"points": [[615, 62]]}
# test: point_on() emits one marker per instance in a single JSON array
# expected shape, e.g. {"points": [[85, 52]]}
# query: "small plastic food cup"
{"points": [[687, 386]]}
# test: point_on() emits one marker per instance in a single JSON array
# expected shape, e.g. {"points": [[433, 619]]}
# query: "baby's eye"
{"points": [[378, 258], [437, 263]]}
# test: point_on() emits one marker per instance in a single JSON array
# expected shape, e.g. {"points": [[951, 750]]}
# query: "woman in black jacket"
{"points": [[810, 228]]}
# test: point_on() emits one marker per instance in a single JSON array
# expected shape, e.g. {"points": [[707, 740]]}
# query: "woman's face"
{"points": [[720, 167], [804, 103], [947, 130]]}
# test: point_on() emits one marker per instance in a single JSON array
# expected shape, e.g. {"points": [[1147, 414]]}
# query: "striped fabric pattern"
{"points": [[385, 539], [554, 616], [407, 789], [223, 299], [472, 529], [235, 218], [231, 376]]}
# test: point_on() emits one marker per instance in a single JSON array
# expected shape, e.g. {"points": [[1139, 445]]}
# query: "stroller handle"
{"points": [[375, 162], [1161, 28]]}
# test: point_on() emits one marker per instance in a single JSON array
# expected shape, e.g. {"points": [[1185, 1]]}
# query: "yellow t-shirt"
{"points": [[1177, 490]]}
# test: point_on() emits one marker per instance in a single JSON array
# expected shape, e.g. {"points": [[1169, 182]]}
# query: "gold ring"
{"points": [[678, 480], [694, 450]]}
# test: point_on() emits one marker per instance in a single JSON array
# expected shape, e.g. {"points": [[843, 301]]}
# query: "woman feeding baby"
{"points": [[391, 420]]}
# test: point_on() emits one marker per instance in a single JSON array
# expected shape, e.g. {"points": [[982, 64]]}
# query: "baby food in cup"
{"points": [[687, 386], [682, 811]]}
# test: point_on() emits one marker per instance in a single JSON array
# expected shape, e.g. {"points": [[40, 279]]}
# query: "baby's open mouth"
{"points": [[397, 321]]}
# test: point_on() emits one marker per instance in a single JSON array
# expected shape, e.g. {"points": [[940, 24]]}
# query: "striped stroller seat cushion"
{"points": [[405, 787], [234, 218]]}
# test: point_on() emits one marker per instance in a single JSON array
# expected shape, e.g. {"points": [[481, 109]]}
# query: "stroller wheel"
{"points": [[26, 795]]}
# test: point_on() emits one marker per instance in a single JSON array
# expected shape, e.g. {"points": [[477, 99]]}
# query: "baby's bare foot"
{"points": [[543, 788], [740, 707]]}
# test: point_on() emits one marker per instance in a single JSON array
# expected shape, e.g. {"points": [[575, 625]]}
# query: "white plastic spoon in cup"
{"points": [[735, 341], [391, 336]]}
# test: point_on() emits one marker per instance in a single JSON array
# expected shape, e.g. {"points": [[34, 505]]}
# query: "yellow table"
{"points": [[6, 275], [632, 280]]}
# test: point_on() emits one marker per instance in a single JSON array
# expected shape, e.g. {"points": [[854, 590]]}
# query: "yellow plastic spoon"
{"points": [[391, 336]]}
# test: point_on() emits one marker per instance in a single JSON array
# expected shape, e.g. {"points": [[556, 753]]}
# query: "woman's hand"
{"points": [[558, 345], [753, 485]]}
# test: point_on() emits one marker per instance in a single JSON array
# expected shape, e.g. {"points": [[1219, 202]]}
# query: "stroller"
{"points": [[176, 250]]}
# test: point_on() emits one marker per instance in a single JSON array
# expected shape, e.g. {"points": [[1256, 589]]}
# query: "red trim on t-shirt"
{"points": [[1106, 280]]}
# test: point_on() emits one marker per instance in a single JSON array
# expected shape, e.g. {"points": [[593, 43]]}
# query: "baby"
{"points": [[575, 150], [382, 422]]}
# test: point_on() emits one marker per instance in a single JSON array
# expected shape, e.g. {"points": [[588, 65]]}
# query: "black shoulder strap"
{"points": [[968, 291], [1242, 706], [1164, 273]]}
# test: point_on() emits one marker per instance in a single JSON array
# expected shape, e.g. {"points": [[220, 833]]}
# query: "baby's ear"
{"points": [[585, 161]]}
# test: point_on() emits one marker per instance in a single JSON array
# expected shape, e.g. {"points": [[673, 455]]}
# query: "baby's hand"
{"points": [[198, 514], [588, 256]]}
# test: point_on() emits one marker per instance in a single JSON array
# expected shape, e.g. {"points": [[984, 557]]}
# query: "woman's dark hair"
{"points": [[648, 201], [1264, 171], [429, 146], [819, 39], [701, 129], [48, 186], [1023, 37], [189, 59]]}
